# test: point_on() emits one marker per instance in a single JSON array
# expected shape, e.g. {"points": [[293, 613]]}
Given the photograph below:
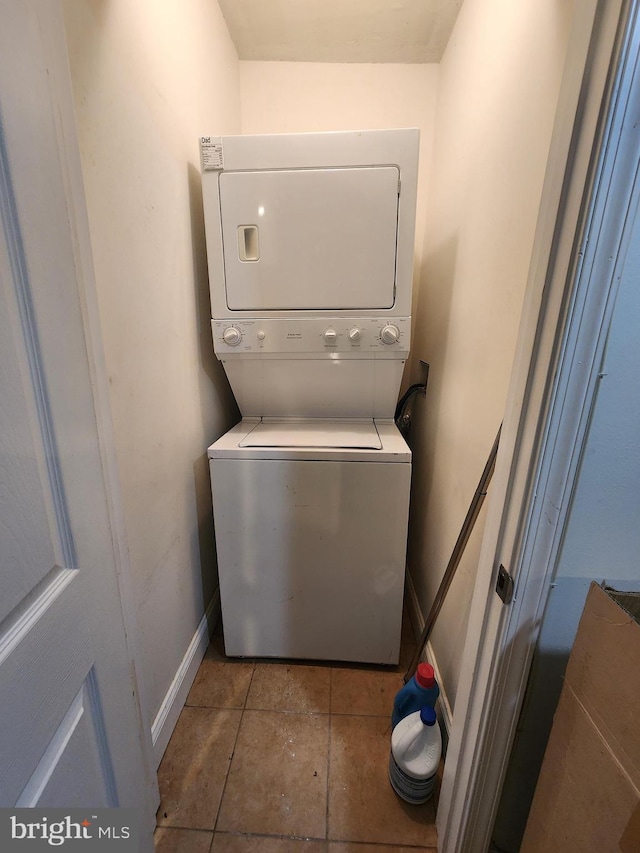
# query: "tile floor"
{"points": [[287, 757]]}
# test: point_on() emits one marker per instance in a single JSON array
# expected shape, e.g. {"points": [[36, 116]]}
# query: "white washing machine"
{"points": [[311, 527], [310, 246]]}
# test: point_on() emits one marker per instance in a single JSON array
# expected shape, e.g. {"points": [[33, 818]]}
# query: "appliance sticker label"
{"points": [[211, 154]]}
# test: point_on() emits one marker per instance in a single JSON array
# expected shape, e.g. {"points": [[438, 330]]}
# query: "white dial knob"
{"points": [[261, 335], [354, 335], [330, 336], [231, 336], [389, 334]]}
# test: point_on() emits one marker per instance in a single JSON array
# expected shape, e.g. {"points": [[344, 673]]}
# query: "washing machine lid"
{"points": [[390, 446], [314, 433]]}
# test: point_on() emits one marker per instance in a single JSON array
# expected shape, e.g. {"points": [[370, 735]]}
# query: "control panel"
{"points": [[358, 335]]}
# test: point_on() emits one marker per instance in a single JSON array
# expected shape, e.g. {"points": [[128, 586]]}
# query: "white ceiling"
{"points": [[341, 30]]}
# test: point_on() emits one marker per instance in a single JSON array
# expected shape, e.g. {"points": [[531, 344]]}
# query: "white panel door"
{"points": [[70, 732], [322, 239]]}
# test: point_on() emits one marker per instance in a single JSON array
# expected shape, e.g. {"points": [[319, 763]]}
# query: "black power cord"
{"points": [[403, 419]]}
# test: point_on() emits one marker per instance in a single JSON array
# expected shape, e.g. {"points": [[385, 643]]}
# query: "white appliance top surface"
{"points": [[313, 433], [338, 440]]}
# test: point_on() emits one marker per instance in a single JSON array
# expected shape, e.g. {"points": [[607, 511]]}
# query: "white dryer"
{"points": [[310, 246]]}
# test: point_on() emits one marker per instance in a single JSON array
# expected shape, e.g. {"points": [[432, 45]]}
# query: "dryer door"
{"points": [[314, 239]]}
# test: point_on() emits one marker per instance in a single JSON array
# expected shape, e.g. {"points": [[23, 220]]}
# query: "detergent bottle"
{"points": [[418, 692]]}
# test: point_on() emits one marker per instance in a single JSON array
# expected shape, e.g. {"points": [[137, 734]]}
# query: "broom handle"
{"points": [[456, 555]]}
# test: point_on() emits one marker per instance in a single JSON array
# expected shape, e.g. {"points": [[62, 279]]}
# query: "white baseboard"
{"points": [[442, 706], [173, 702]]}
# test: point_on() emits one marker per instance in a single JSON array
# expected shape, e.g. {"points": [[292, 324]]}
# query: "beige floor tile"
{"points": [[194, 768], [277, 783], [169, 840], [355, 847], [225, 843], [362, 804], [290, 687], [220, 682], [364, 692]]}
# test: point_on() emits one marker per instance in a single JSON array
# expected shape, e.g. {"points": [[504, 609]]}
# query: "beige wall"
{"points": [[498, 88], [290, 97], [149, 78]]}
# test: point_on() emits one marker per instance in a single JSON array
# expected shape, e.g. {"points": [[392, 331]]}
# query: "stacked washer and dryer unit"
{"points": [[310, 249]]}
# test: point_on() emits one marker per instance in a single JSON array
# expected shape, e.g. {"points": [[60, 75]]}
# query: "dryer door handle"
{"points": [[248, 243]]}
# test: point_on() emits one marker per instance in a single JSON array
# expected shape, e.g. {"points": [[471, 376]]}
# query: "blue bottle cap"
{"points": [[428, 715]]}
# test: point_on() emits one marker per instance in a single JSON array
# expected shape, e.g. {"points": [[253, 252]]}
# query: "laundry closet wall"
{"points": [[148, 79], [498, 89]]}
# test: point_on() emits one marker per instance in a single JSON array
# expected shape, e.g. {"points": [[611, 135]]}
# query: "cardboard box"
{"points": [[587, 799]]}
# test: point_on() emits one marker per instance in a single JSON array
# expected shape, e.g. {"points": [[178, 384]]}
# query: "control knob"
{"points": [[231, 336], [354, 335], [389, 334], [330, 336]]}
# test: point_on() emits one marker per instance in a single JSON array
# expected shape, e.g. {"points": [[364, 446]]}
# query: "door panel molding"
{"points": [[19, 267], [15, 627], [30, 796]]}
